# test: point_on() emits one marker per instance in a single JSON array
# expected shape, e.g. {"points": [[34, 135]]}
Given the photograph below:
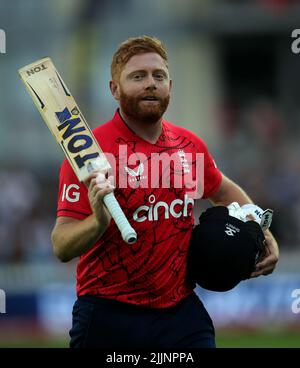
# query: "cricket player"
{"points": [[136, 295]]}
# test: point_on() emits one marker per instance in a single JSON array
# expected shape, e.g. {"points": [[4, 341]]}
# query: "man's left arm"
{"points": [[229, 192]]}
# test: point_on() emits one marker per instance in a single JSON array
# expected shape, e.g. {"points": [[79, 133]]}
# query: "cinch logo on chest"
{"points": [[74, 141], [177, 208]]}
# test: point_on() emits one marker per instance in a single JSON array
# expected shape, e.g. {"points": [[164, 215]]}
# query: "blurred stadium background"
{"points": [[236, 84]]}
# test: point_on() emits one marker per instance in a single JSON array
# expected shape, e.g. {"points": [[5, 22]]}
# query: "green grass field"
{"points": [[225, 339], [242, 339]]}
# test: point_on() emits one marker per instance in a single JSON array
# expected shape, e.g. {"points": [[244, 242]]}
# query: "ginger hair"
{"points": [[135, 46]]}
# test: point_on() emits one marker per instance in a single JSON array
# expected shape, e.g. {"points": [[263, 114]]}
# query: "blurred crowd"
{"points": [[260, 151], [27, 215]]}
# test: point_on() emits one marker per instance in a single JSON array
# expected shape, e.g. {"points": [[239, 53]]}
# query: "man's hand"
{"points": [[98, 187], [268, 263]]}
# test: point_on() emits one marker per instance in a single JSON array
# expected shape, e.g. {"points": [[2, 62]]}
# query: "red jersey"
{"points": [[152, 271]]}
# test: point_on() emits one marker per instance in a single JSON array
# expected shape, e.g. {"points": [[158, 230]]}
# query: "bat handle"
{"points": [[128, 233]]}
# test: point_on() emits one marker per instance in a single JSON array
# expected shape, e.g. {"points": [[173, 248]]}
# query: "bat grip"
{"points": [[128, 233]]}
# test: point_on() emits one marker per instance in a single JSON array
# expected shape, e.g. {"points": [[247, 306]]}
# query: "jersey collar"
{"points": [[127, 131]]}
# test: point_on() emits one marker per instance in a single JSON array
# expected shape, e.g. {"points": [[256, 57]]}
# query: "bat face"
{"points": [[78, 142], [63, 117]]}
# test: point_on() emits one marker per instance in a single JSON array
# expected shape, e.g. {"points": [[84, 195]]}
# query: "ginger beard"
{"points": [[138, 109]]}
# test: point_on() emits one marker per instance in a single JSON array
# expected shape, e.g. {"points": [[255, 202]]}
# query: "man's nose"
{"points": [[150, 83]]}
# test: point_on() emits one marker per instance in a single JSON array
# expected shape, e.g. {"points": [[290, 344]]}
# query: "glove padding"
{"points": [[251, 212]]}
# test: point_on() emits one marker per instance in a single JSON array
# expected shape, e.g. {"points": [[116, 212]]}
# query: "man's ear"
{"points": [[170, 85], [115, 89]]}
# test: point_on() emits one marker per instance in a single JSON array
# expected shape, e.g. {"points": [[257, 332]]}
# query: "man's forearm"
{"points": [[73, 239], [230, 192]]}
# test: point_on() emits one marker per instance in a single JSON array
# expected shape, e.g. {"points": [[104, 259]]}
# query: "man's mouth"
{"points": [[149, 98]]}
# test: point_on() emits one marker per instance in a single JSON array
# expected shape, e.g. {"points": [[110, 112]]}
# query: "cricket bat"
{"points": [[71, 131]]}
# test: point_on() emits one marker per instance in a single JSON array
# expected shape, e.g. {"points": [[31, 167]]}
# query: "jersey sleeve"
{"points": [[72, 195], [212, 175]]}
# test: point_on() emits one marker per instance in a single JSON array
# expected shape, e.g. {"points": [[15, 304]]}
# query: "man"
{"points": [[137, 295]]}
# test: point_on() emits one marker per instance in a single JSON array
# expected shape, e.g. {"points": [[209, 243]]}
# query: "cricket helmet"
{"points": [[223, 250]]}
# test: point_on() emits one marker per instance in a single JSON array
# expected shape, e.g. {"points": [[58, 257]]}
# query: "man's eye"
{"points": [[159, 76], [137, 77]]}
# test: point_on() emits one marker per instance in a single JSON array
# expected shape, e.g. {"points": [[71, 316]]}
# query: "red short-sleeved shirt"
{"points": [[158, 202]]}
